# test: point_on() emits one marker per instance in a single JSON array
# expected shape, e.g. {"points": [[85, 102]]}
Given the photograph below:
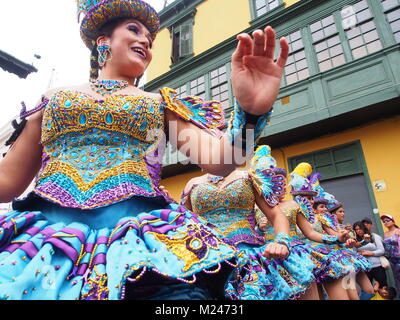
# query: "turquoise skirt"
{"points": [[50, 252]]}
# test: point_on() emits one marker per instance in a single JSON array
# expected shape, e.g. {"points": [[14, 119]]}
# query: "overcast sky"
{"points": [[50, 29]]}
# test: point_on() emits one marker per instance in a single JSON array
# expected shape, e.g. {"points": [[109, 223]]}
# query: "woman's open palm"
{"points": [[256, 77]]}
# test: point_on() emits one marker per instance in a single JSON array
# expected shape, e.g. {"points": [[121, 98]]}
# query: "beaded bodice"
{"points": [[229, 207], [97, 152]]}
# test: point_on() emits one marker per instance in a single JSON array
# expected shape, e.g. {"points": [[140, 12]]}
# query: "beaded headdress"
{"points": [[323, 197], [98, 12], [299, 180]]}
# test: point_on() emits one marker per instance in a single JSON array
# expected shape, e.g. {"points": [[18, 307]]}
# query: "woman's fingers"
{"points": [[259, 43], [270, 44], [281, 62], [244, 47]]}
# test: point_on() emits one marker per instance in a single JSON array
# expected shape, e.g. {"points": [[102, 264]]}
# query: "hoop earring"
{"points": [[105, 54]]}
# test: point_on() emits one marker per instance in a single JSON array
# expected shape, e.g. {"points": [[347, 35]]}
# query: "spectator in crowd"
{"points": [[392, 245], [372, 248], [384, 293]]}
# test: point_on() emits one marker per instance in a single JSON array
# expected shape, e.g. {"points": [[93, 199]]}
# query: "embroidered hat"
{"points": [[98, 12], [299, 180]]}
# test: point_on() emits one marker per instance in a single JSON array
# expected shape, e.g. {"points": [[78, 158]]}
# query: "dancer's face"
{"points": [[340, 214], [321, 208], [131, 45]]}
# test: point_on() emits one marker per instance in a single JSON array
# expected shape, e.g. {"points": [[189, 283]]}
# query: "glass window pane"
{"points": [[225, 95], [301, 64], [290, 69], [215, 91], [326, 65], [363, 15], [260, 4], [359, 52], [336, 50], [316, 36], [333, 41], [303, 74], [356, 42], [224, 87], [367, 26], [214, 82], [320, 46], [290, 59], [322, 56], [299, 55], [316, 26], [360, 5], [297, 45], [330, 30], [200, 80], [273, 4], [394, 15], [193, 83], [371, 36], [327, 21], [338, 60], [201, 88], [395, 26], [291, 79], [374, 46], [353, 32], [261, 11], [295, 36], [214, 73], [389, 4]]}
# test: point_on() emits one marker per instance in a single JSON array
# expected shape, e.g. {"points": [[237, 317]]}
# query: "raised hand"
{"points": [[256, 77]]}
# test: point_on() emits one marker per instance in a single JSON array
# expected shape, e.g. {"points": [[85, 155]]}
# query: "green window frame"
{"points": [[182, 41], [262, 7], [297, 67], [326, 42], [391, 8], [198, 87], [219, 86], [363, 36]]}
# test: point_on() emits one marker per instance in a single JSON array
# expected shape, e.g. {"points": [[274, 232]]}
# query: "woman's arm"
{"points": [[313, 235], [256, 80], [378, 252], [215, 155], [22, 162], [280, 224]]}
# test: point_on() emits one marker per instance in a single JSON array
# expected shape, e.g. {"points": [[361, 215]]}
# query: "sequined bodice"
{"points": [[230, 208], [96, 152]]}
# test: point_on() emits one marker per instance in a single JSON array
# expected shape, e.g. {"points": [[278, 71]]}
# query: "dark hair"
{"points": [[366, 220], [392, 293], [363, 228], [106, 30]]}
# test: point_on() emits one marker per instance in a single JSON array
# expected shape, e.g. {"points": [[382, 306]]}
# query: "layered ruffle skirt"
{"points": [[50, 252], [270, 279]]}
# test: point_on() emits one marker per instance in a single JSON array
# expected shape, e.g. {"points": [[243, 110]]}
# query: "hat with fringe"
{"points": [[323, 197], [96, 13]]}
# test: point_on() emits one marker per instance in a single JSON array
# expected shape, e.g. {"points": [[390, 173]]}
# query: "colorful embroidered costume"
{"points": [[392, 252], [344, 259], [97, 221], [230, 208]]}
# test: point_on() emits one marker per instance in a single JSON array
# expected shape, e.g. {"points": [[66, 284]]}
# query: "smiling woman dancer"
{"points": [[97, 225]]}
